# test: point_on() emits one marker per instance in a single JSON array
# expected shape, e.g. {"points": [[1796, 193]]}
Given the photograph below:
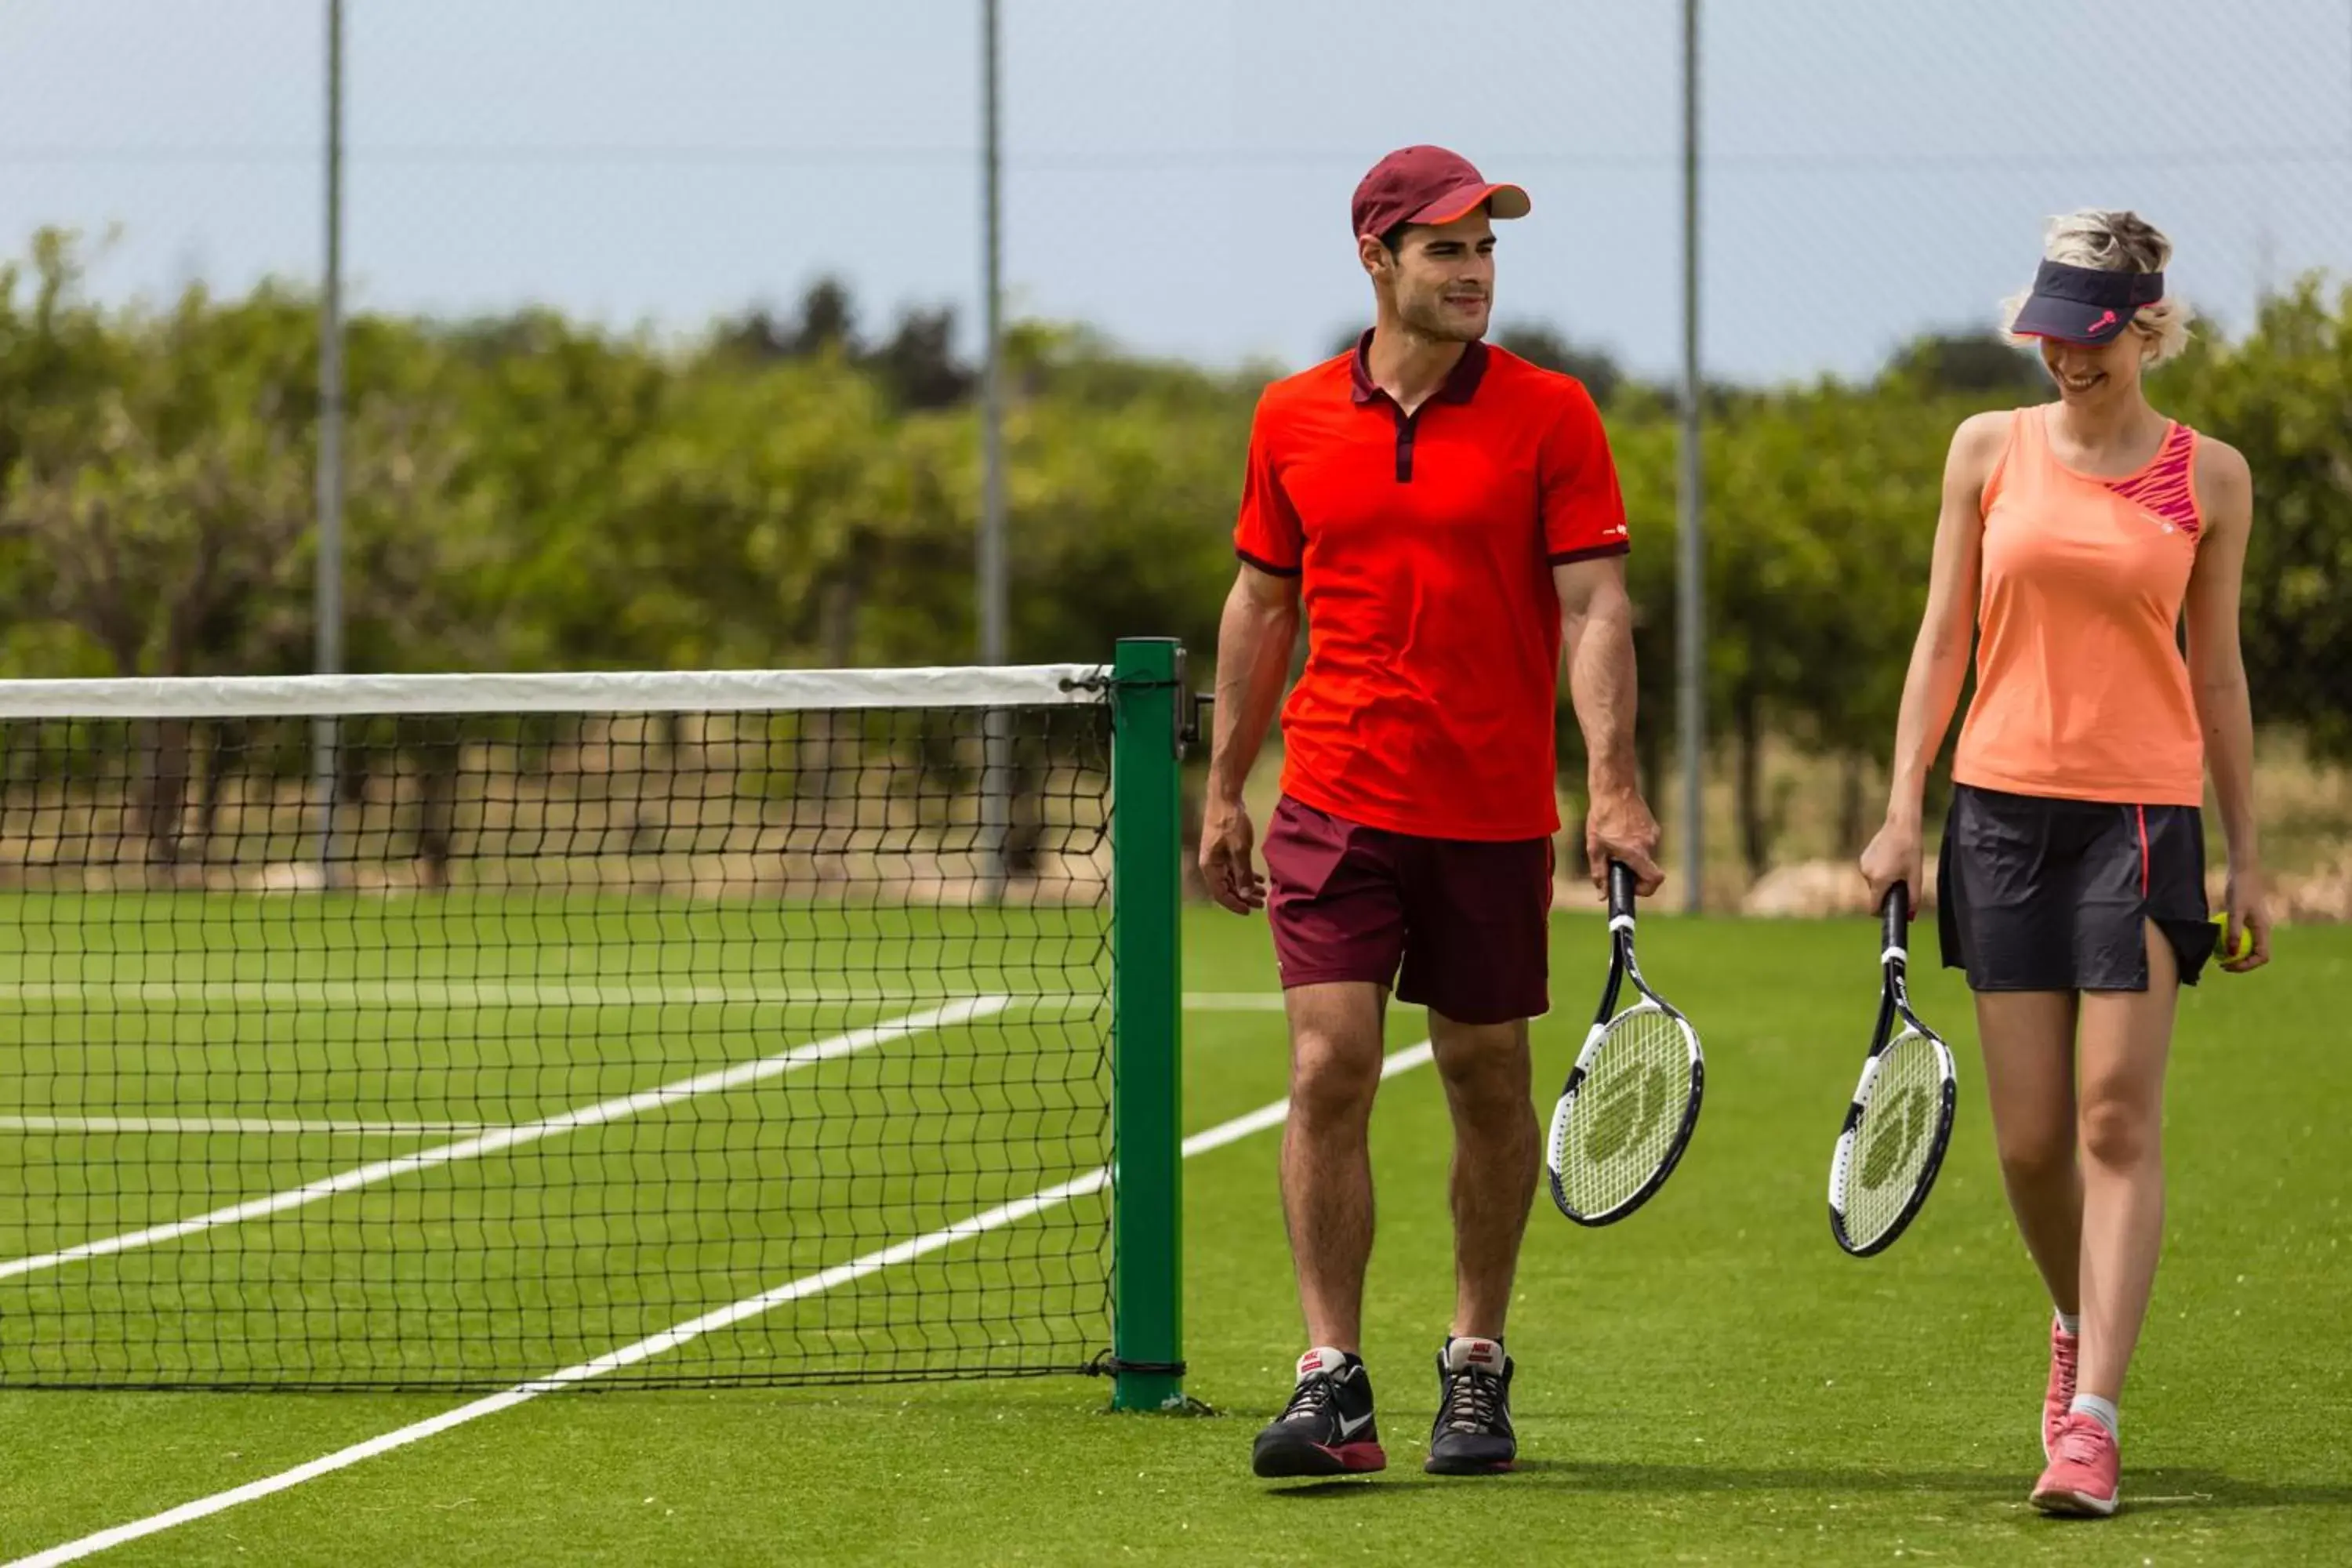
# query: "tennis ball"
{"points": [[2245, 937]]}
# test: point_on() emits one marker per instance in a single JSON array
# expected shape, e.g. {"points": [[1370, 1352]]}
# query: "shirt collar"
{"points": [[1461, 383]]}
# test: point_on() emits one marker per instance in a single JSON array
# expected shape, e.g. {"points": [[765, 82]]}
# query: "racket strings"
{"points": [[1896, 1137], [1630, 1109]]}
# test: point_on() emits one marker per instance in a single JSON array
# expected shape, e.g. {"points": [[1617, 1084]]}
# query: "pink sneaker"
{"points": [[2065, 1352], [2082, 1478]]}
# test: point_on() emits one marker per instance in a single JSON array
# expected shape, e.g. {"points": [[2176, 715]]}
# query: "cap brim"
{"points": [[1500, 202], [2069, 320]]}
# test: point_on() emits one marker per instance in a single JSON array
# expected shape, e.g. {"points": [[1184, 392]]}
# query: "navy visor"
{"points": [[2085, 304]]}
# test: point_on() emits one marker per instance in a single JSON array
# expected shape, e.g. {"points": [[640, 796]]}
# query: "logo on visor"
{"points": [[2106, 318]]}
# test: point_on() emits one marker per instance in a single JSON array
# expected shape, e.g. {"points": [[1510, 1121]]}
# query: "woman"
{"points": [[2074, 535]]}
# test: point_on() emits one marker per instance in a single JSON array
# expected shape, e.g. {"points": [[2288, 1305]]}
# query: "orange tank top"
{"points": [[2082, 690]]}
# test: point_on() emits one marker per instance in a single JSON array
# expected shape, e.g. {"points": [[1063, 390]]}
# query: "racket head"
{"points": [[1626, 1114], [1892, 1145]]}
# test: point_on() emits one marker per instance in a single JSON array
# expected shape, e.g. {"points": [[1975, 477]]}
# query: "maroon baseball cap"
{"points": [[1428, 185]]}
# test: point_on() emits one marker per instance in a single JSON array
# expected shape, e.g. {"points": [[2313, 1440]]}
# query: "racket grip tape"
{"points": [[1621, 891], [1895, 916]]}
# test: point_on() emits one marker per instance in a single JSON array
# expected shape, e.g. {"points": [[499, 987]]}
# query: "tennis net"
{"points": [[370, 1032]]}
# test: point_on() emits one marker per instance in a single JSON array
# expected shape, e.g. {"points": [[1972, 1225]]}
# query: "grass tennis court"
{"points": [[462, 1142], [1710, 1381]]}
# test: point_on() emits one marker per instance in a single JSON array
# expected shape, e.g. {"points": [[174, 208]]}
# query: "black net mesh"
{"points": [[559, 1031]]}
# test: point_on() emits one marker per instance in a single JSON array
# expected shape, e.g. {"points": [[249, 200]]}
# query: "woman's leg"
{"points": [[2127, 1037], [2029, 1056]]}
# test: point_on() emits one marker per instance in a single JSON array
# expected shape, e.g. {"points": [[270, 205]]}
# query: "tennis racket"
{"points": [[1895, 1130], [1630, 1102]]}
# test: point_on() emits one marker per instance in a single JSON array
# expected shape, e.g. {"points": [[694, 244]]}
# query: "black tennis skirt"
{"points": [[2036, 894]]}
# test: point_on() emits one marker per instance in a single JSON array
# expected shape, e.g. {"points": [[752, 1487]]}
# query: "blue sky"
{"points": [[1178, 175]]}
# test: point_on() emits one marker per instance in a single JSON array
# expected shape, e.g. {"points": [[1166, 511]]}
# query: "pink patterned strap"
{"points": [[2167, 487]]}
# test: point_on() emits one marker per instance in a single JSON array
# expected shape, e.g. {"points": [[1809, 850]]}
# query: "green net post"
{"points": [[1149, 706]]}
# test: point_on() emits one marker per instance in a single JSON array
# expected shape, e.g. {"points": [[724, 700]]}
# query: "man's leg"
{"points": [[1327, 1168], [1498, 1153], [1477, 955], [1338, 931]]}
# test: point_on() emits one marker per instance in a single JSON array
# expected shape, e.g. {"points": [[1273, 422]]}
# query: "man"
{"points": [[1446, 514]]}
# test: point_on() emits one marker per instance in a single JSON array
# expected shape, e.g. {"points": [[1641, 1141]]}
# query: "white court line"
{"points": [[268, 1126], [238, 1124], [1234, 1001], [455, 993], [1094, 1181], [614, 1109]]}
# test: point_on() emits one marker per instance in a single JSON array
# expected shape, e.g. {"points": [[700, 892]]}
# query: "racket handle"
{"points": [[1621, 891], [1896, 916]]}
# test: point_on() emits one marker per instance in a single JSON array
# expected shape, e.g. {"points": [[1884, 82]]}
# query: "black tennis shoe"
{"points": [[1326, 1429], [1473, 1436]]}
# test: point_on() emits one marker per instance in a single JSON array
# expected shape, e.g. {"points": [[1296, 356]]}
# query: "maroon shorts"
{"points": [[1467, 922]]}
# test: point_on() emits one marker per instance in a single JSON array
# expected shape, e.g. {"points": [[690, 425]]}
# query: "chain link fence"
{"points": [[570, 185]]}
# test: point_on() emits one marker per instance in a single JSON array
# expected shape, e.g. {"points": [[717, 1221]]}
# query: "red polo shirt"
{"points": [[1424, 545]]}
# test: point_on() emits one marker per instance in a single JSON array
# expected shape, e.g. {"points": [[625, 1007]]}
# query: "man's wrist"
{"points": [[1612, 787]]}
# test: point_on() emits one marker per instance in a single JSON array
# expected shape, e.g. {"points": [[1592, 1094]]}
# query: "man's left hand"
{"points": [[1621, 827]]}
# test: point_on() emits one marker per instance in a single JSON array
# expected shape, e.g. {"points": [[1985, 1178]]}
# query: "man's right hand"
{"points": [[1226, 838]]}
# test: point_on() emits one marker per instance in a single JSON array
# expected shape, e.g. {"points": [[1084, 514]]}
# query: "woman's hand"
{"points": [[2246, 904], [1894, 856]]}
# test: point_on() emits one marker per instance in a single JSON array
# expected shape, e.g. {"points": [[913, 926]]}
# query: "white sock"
{"points": [[2104, 1409], [2071, 1321], [1463, 1351], [1322, 1358]]}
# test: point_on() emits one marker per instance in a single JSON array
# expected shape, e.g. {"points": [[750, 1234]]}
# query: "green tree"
{"points": [[2284, 398], [528, 493]]}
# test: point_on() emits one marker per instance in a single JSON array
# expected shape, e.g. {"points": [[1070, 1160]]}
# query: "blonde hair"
{"points": [[2114, 241]]}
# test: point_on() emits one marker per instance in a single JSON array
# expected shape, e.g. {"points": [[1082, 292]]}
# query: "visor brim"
{"points": [[2070, 321]]}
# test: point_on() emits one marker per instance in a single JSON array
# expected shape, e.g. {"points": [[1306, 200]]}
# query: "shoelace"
{"points": [[2080, 1443], [1472, 1400], [1311, 1397], [2067, 1367]]}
